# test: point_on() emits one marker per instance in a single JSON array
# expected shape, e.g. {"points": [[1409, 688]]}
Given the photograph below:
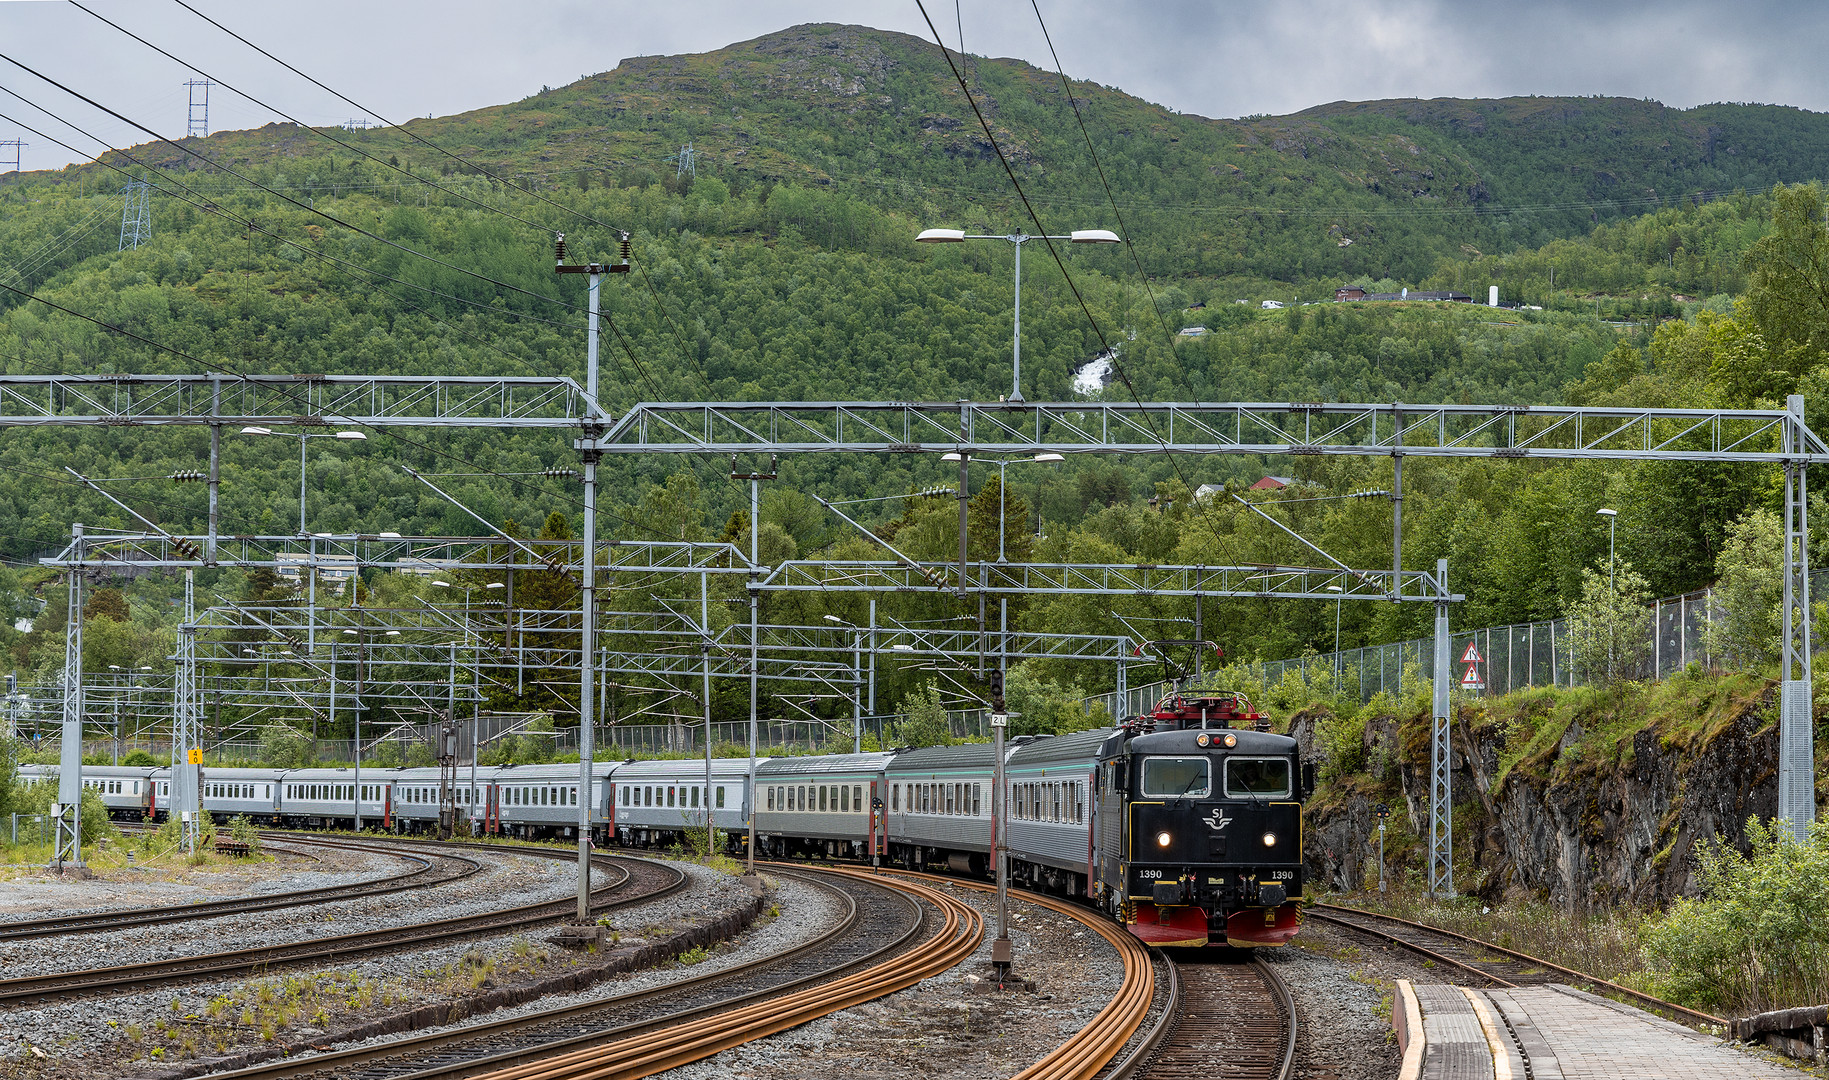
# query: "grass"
{"points": [[1603, 944]]}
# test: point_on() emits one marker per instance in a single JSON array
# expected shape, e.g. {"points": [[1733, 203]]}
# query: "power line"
{"points": [[1061, 264], [325, 135], [404, 130], [686, 157], [309, 208]]}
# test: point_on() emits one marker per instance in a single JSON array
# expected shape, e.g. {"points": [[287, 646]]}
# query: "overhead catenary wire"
{"points": [[1060, 263], [386, 432], [210, 208], [686, 352]]}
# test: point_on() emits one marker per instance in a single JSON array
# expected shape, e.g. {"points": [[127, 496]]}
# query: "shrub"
{"points": [[1756, 939], [1610, 626], [1749, 591], [243, 829], [926, 724], [286, 747]]}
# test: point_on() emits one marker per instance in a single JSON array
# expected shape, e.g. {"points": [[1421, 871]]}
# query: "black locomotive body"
{"points": [[1199, 826]]}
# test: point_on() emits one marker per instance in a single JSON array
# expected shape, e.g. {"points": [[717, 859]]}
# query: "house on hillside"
{"points": [[1272, 483], [1354, 292]]}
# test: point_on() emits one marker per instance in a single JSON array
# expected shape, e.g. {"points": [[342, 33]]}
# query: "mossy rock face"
{"points": [[1590, 797]]}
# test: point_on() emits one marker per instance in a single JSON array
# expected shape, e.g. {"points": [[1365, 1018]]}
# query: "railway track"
{"points": [[880, 925], [431, 870], [635, 880], [1225, 1019], [1092, 1048], [1498, 967]]}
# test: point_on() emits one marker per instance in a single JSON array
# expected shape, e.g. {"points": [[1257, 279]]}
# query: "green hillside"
{"points": [[786, 270]]}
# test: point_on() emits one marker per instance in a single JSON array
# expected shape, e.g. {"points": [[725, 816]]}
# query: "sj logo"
{"points": [[1217, 820]]}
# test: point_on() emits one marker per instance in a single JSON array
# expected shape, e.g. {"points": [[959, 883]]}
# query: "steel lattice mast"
{"points": [[187, 723]]}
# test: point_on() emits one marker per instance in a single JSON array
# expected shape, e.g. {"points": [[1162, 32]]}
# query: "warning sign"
{"points": [[1472, 655], [196, 755], [1472, 680]]}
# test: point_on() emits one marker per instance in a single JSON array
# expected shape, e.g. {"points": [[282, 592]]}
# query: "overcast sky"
{"points": [[405, 58]]}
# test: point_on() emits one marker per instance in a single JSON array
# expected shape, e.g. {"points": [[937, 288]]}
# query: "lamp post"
{"points": [[1339, 595], [1612, 516], [117, 713], [857, 664], [301, 437], [1002, 498], [1017, 240], [467, 590]]}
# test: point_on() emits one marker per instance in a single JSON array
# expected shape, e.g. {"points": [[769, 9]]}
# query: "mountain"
{"points": [[784, 268]]}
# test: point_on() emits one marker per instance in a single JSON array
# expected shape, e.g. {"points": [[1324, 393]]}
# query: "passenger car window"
{"points": [[1174, 777], [1257, 778]]}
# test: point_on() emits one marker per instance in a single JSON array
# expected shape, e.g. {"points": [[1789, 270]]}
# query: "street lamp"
{"points": [[1017, 240], [1002, 499], [302, 436], [1339, 595], [1611, 516], [857, 663]]}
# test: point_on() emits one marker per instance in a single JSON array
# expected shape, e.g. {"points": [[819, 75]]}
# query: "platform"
{"points": [[1554, 1032]]}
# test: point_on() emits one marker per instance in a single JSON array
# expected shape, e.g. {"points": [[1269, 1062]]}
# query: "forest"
{"points": [[1656, 257]]}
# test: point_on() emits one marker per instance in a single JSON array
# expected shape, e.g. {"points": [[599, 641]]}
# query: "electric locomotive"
{"points": [[1199, 825]]}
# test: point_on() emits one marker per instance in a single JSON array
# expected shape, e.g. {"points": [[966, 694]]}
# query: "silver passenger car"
{"points": [[940, 807], [1051, 787], [230, 793], [833, 805], [656, 802]]}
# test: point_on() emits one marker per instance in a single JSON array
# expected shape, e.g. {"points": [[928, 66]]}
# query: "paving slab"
{"points": [[1556, 1032], [1594, 1038], [1454, 1046]]}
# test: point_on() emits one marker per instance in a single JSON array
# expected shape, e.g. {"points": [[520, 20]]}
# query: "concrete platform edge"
{"points": [[1407, 1018]]}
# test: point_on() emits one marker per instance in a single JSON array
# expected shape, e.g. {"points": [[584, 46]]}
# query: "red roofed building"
{"points": [[1272, 483]]}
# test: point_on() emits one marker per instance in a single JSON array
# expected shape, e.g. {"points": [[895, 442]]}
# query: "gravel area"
{"points": [[504, 882], [79, 1035], [806, 913], [942, 1026], [98, 1038], [35, 893], [1343, 985]]}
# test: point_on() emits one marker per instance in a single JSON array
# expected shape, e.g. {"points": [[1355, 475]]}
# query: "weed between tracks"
{"points": [[1606, 944]]}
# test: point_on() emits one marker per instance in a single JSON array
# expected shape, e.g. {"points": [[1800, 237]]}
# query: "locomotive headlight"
{"points": [[1231, 740], [1270, 839], [1162, 839], [1201, 740]]}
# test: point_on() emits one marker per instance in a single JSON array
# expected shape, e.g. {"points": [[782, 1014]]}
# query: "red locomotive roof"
{"points": [[1213, 709]]}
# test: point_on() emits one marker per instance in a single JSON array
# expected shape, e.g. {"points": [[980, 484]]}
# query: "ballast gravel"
{"points": [[503, 883], [114, 1036], [36, 894], [79, 1036], [943, 1026], [806, 913], [1343, 987]]}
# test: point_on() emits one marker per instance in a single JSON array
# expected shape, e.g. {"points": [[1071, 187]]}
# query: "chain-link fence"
{"points": [[1490, 661]]}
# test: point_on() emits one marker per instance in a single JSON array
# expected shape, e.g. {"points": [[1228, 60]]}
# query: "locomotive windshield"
{"points": [[1257, 778], [1174, 777]]}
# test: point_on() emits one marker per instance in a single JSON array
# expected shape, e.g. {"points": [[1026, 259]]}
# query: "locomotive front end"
{"points": [[1214, 838]]}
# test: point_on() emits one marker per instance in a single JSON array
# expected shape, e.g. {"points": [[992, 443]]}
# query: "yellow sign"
{"points": [[196, 757]]}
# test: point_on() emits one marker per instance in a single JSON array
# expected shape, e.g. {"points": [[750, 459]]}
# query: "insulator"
{"points": [[560, 474], [188, 475], [559, 248], [625, 247]]}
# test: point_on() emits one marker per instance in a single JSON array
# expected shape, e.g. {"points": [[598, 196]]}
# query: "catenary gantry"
{"points": [[1762, 436]]}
